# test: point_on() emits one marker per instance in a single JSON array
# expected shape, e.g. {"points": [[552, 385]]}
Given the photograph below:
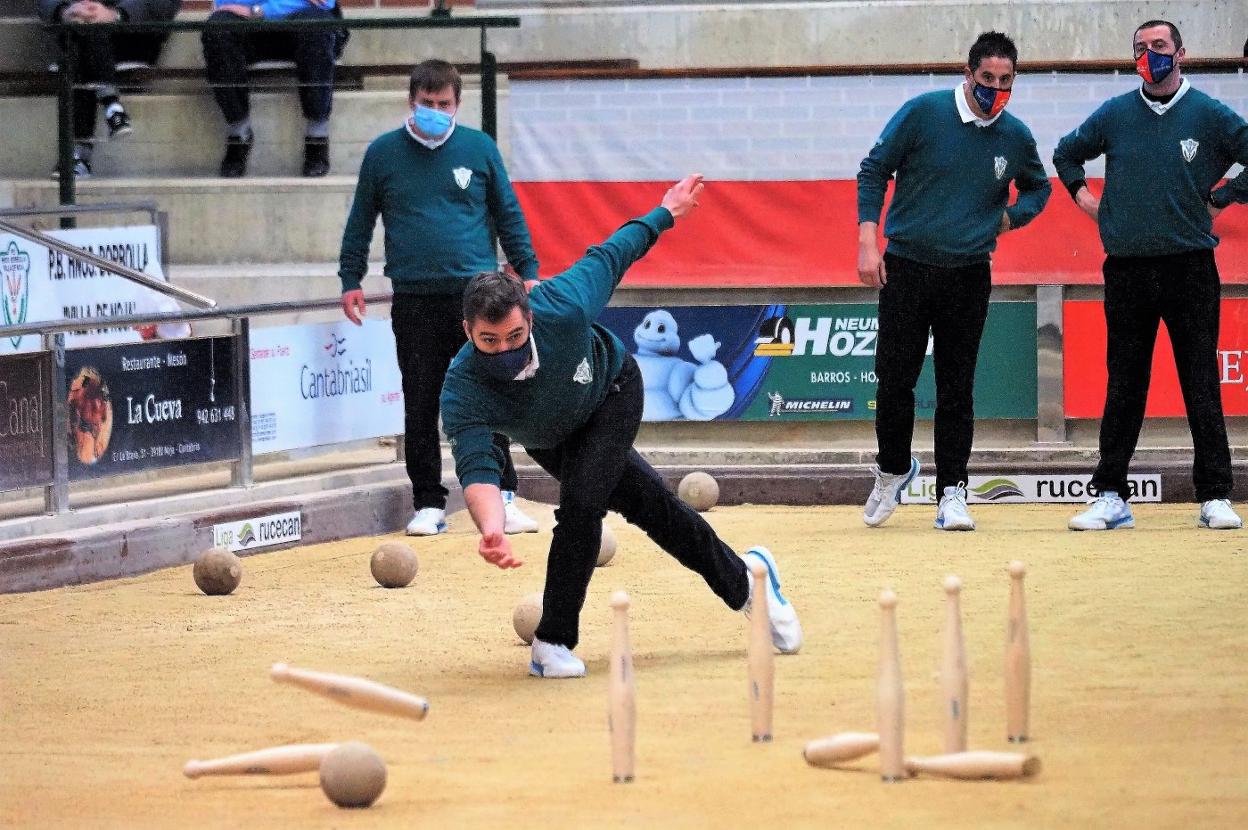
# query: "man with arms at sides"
{"points": [[442, 193], [954, 155], [539, 369], [1166, 147]]}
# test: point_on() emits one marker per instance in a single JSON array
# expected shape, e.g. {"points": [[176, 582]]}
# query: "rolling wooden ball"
{"points": [[606, 550], [217, 572], [394, 565], [353, 774], [699, 491], [527, 615]]}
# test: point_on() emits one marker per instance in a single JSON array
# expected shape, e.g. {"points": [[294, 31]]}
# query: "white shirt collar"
{"points": [[965, 112], [531, 368], [432, 145], [1160, 108]]}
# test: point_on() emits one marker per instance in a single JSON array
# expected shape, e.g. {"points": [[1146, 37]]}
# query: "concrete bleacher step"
{"points": [[183, 134], [216, 221]]}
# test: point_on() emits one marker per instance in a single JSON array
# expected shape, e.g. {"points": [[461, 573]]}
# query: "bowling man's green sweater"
{"points": [[1159, 170], [440, 209], [953, 181], [577, 360]]}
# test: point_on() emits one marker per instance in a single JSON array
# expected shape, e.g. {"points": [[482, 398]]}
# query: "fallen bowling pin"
{"points": [[278, 760], [837, 749], [976, 764], [354, 691]]}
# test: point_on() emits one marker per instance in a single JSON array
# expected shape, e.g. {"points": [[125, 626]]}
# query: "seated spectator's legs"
{"points": [[314, 65], [226, 55], [95, 79]]}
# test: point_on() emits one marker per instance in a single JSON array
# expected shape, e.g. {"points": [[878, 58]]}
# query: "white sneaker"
{"points": [[428, 521], [886, 493], [1108, 512], [516, 520], [786, 631], [951, 513], [1217, 514], [550, 660]]}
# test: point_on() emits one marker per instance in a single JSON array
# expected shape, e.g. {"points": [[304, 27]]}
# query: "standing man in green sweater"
{"points": [[539, 369], [1166, 147], [443, 194], [954, 154]]}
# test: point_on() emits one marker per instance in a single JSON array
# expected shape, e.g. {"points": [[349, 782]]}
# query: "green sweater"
{"points": [[576, 358], [1154, 201], [440, 208], [951, 186]]}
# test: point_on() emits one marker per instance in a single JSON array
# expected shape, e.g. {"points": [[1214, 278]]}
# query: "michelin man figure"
{"points": [[676, 388]]}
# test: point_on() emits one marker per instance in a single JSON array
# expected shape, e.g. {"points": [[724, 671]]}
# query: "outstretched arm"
{"points": [[589, 283]]}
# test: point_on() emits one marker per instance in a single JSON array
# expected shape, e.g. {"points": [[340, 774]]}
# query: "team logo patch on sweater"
{"points": [[462, 176], [1189, 146], [998, 167], [583, 375]]}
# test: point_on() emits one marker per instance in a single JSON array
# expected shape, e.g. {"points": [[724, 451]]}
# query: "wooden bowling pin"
{"points": [[1017, 661], [890, 694], [278, 760], [837, 749], [953, 674], [354, 691], [762, 658], [976, 764], [621, 693]]}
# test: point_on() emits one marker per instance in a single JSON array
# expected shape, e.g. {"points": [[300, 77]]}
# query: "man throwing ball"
{"points": [[539, 369]]}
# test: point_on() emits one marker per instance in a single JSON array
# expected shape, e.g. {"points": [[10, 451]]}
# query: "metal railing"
{"points": [[56, 493], [69, 48]]}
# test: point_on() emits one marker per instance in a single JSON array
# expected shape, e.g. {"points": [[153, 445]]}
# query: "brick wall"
{"points": [[756, 129]]}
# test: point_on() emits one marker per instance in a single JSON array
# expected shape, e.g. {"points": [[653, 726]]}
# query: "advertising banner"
{"points": [[323, 383], [42, 284], [259, 532], [25, 420], [804, 362], [148, 405], [1085, 375], [1030, 489]]}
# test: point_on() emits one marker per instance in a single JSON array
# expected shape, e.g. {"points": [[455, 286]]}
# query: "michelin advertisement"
{"points": [[804, 362]]}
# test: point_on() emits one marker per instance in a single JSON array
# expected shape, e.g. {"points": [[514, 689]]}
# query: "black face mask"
{"points": [[504, 365]]}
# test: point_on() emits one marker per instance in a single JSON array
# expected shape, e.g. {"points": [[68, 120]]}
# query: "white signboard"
{"points": [[260, 532], [323, 383], [1030, 489], [37, 284]]}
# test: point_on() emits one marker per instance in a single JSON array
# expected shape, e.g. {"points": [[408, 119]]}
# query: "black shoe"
{"points": [[118, 124], [315, 157], [234, 165], [82, 170]]}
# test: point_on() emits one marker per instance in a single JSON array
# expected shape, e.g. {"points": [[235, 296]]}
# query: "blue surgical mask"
{"points": [[1154, 67], [431, 122], [505, 365]]}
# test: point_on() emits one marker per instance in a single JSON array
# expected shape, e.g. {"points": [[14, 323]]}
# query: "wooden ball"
{"points": [[352, 774], [394, 565], [606, 550], [527, 615], [217, 572], [699, 491]]}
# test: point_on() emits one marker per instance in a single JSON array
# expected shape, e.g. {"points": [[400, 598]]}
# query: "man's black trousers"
{"points": [[428, 332], [598, 470], [952, 304]]}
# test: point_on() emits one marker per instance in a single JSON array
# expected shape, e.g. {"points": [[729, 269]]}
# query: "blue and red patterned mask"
{"points": [[990, 99], [1154, 67]]}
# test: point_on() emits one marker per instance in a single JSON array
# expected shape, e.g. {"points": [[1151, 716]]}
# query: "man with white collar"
{"points": [[954, 154], [1166, 147], [442, 192]]}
